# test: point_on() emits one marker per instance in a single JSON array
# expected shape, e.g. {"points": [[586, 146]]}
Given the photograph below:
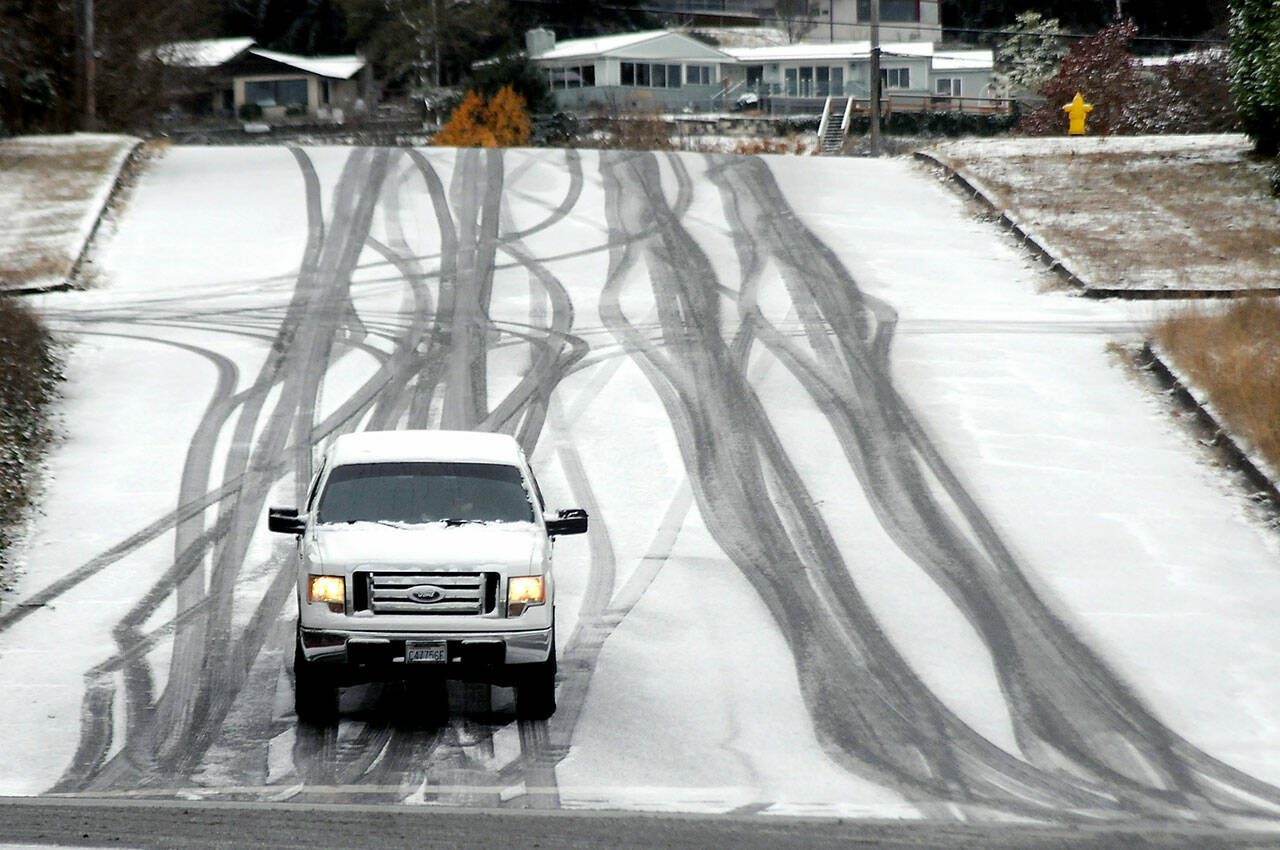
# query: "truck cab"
{"points": [[424, 555]]}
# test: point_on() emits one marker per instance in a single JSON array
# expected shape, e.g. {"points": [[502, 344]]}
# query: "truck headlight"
{"points": [[523, 591], [331, 589]]}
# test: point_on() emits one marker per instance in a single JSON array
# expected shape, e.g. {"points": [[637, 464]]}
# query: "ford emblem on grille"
{"points": [[426, 594]]}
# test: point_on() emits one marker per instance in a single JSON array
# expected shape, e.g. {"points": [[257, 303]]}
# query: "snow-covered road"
{"points": [[878, 527]]}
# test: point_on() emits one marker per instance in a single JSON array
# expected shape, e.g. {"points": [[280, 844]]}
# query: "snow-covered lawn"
{"points": [[52, 190], [1125, 530], [1140, 213]]}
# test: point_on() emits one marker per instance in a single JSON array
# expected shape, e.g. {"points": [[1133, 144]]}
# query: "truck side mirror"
{"points": [[568, 521], [285, 521]]}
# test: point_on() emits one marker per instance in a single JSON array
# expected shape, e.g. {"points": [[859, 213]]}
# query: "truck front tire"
{"points": [[315, 697], [536, 690]]}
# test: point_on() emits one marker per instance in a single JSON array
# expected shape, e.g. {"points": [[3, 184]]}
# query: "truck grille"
{"points": [[425, 593]]}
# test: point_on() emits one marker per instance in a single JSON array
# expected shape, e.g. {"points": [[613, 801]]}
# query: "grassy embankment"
{"points": [[49, 187], [1181, 216], [1233, 354], [45, 192]]}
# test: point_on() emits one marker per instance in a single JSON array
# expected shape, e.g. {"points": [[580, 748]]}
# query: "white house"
{"points": [[669, 70], [914, 70], [223, 75], [665, 70]]}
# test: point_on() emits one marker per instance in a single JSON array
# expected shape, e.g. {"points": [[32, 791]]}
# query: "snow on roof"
{"points": [[952, 60], [389, 446], [1206, 55], [334, 67], [964, 60], [602, 44], [203, 53], [803, 50], [605, 44], [730, 37]]}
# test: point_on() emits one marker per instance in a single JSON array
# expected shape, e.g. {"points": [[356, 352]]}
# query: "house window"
{"points": [[698, 75], [891, 11], [895, 78], [651, 74], [948, 86], [815, 81], [571, 76], [275, 92]]}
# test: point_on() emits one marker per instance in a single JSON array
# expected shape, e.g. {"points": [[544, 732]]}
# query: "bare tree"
{"points": [[795, 17], [427, 43]]}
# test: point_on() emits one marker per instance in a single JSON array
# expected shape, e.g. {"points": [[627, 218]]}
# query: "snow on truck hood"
{"points": [[515, 545]]}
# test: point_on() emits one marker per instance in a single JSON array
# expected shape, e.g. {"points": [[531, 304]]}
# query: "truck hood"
{"points": [[507, 546]]}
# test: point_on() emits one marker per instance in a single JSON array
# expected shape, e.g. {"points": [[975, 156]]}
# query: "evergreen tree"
{"points": [[1029, 56], [1255, 70]]}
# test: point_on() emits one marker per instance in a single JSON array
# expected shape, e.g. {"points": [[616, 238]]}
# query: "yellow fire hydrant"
{"points": [[1076, 110]]}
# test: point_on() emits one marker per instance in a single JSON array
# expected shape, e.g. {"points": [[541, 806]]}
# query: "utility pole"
{"points": [[88, 75], [875, 77]]}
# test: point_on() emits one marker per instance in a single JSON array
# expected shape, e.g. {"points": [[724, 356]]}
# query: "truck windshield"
{"points": [[424, 492]]}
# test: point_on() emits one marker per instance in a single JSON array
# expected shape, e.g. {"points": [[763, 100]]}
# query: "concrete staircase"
{"points": [[834, 124]]}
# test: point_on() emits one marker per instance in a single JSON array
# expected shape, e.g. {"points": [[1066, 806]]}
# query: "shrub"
{"points": [[1194, 96], [1255, 70], [1187, 95], [250, 112], [501, 122], [516, 72], [1103, 70]]}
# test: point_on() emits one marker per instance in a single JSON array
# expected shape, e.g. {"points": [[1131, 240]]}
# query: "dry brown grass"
{"points": [[750, 147], [20, 270], [1190, 219], [1233, 354]]}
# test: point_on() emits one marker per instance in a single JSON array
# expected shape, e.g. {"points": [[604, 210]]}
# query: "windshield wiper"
{"points": [[453, 522], [385, 522]]}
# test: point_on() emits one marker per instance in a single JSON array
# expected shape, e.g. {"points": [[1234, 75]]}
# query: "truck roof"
{"points": [[390, 446]]}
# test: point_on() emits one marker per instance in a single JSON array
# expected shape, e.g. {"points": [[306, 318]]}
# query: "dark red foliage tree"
{"points": [[1103, 70]]}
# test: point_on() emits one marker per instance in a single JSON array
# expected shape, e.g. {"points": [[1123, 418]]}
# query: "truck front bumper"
{"points": [[381, 655]]}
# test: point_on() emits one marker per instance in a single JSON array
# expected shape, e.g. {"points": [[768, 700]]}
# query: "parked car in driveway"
{"points": [[424, 555]]}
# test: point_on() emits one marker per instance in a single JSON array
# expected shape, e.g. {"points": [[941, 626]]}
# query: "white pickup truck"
{"points": [[424, 554]]}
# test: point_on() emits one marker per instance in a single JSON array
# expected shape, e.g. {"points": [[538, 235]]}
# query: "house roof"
{"points": [[963, 60], [952, 60], [215, 52], [333, 67], [629, 43], [203, 53]]}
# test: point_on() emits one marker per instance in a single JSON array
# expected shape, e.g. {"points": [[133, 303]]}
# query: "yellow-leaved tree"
{"points": [[502, 122], [508, 118]]}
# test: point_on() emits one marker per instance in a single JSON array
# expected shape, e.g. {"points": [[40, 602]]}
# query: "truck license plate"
{"points": [[425, 652]]}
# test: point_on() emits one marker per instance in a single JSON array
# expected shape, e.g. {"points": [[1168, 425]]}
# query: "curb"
{"points": [[1256, 470], [1056, 265], [127, 165]]}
